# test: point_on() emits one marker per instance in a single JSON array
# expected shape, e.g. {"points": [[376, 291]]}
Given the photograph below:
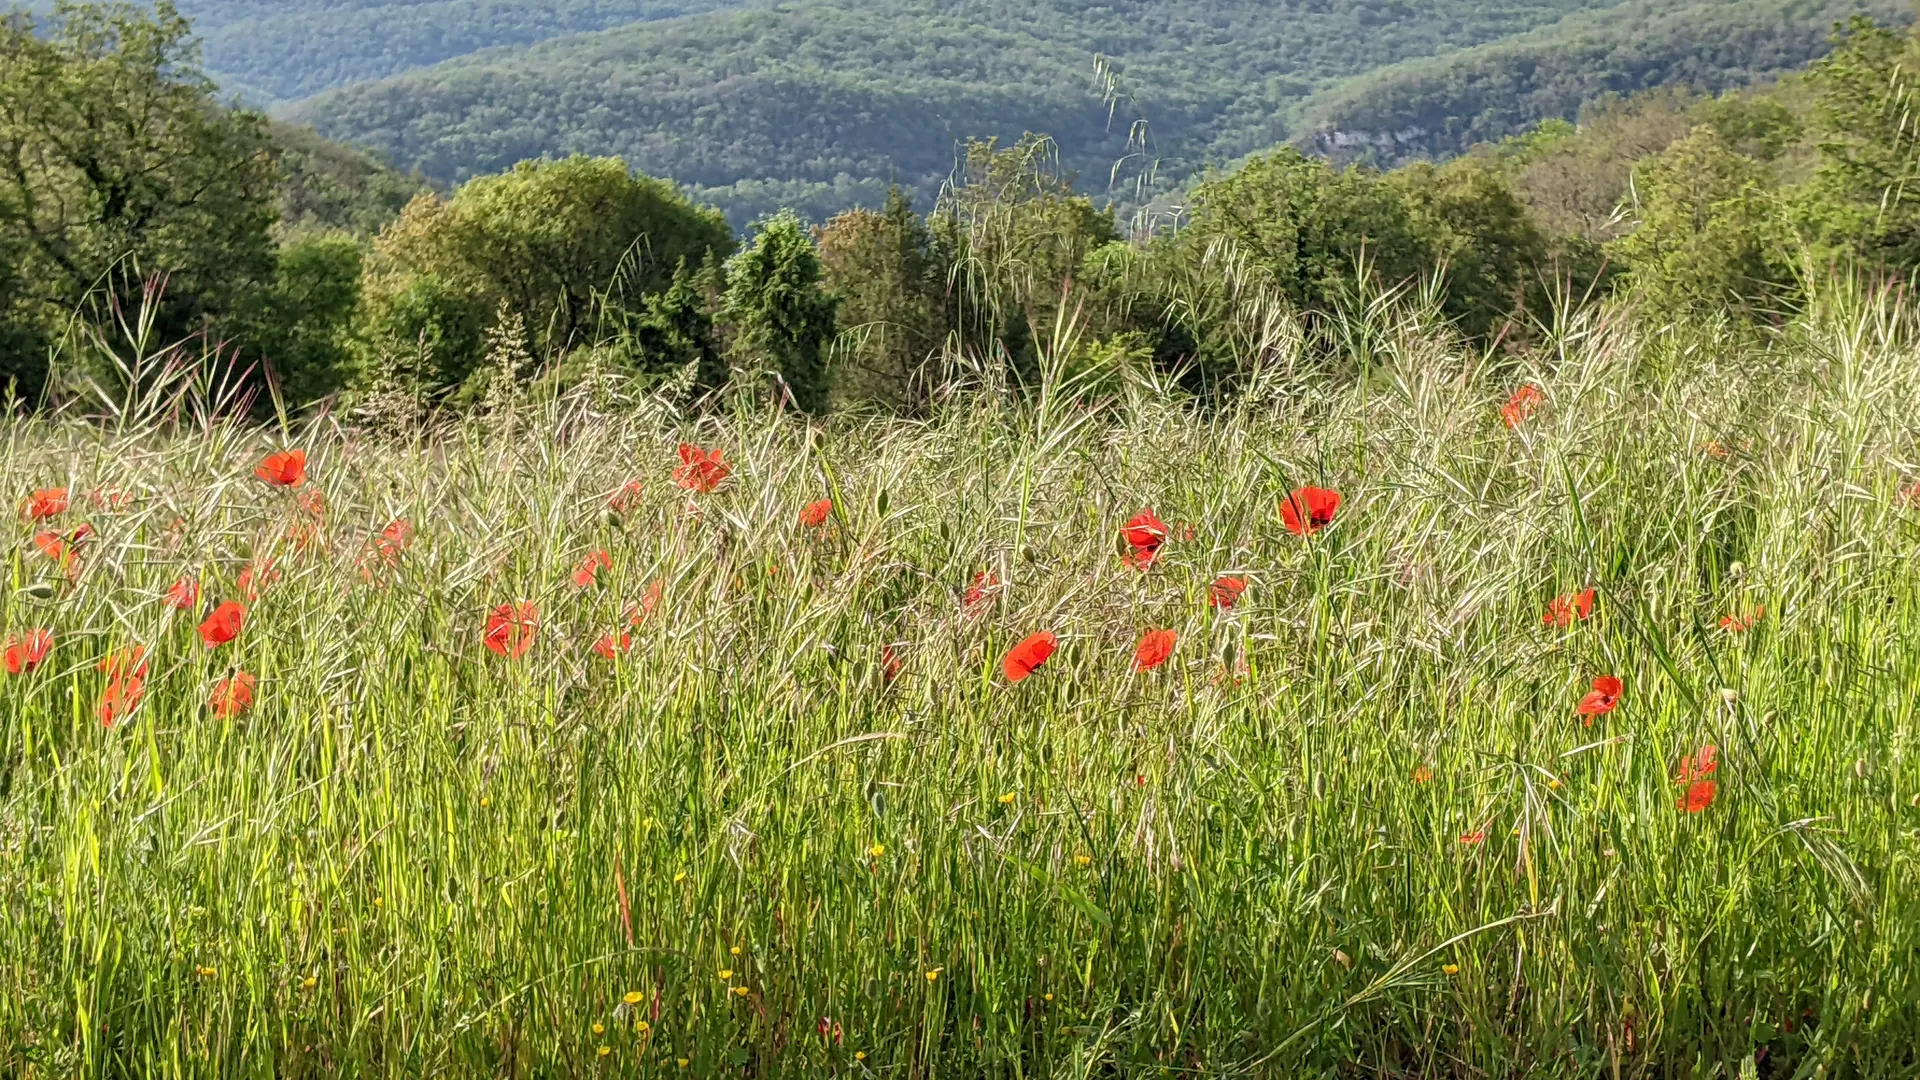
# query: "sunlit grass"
{"points": [[742, 847]]}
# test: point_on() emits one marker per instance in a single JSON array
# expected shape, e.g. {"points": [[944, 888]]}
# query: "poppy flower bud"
{"points": [[39, 590], [1729, 695]]}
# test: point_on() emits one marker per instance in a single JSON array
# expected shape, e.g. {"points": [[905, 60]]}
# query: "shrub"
{"points": [[572, 246], [1706, 238], [782, 321], [894, 310]]}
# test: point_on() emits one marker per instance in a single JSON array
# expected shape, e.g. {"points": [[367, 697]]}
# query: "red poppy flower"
{"points": [[1601, 699], [625, 500], [891, 663], [1140, 558], [232, 696], [1144, 531], [64, 551], [1473, 837], [285, 469], [612, 646], [1738, 624], [700, 470], [223, 625], [637, 613], [183, 595], [814, 514], [1699, 796], [1422, 773], [52, 545], [128, 663], [398, 535], [255, 577], [26, 653], [979, 593], [1225, 592], [1028, 656], [43, 504], [589, 569], [1520, 406], [120, 698], [386, 546], [1154, 648], [1701, 762], [1309, 509], [110, 499], [1569, 609], [510, 629]]}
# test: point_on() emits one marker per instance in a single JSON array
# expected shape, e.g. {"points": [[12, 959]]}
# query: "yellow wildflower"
{"points": [[633, 997], [1451, 969], [726, 973], [740, 990], [604, 1050], [934, 974], [877, 850], [1006, 799]]}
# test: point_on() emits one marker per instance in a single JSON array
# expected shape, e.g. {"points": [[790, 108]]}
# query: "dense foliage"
{"points": [[1440, 106], [813, 99], [115, 164], [276, 50], [559, 271]]}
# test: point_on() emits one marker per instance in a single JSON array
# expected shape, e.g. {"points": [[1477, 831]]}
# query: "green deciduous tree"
{"points": [[301, 323], [115, 160], [1310, 225], [894, 309], [572, 246], [1707, 236], [1864, 199], [1468, 218], [781, 318], [1017, 234]]}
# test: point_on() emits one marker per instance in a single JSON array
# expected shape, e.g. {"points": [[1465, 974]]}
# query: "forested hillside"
{"points": [[276, 50], [807, 103], [1435, 107]]}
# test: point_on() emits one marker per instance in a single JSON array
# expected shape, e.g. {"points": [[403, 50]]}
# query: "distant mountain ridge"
{"points": [[271, 51], [821, 104], [837, 96], [1435, 107]]}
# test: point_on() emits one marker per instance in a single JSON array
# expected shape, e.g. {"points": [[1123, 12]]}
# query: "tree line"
{"points": [[138, 213]]}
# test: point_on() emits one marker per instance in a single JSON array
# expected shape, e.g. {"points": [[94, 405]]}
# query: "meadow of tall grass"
{"points": [[801, 822]]}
